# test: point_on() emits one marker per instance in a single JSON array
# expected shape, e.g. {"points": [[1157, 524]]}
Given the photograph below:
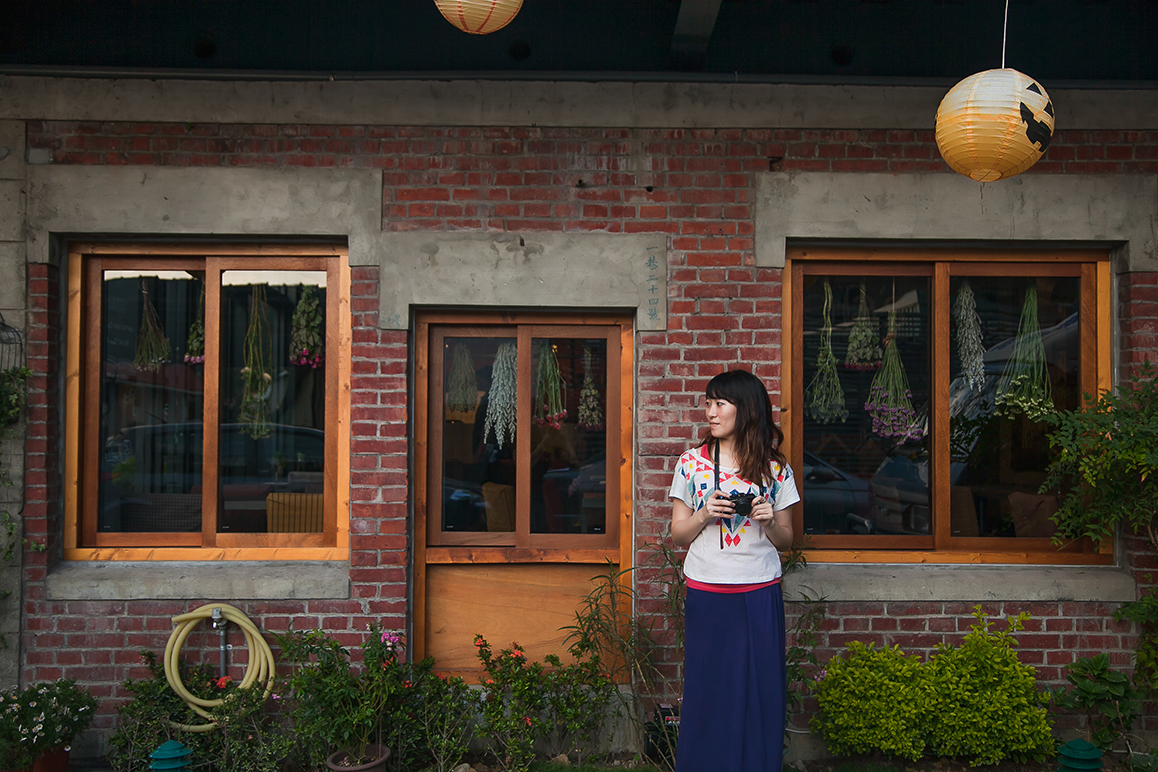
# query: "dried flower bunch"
{"points": [[462, 386], [195, 343], [152, 346], [1024, 386], [256, 375], [590, 411], [890, 401], [969, 347], [501, 402], [864, 345], [825, 396], [307, 336], [548, 409]]}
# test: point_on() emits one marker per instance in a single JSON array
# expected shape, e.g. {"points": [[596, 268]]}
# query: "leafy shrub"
{"points": [[980, 702], [577, 696], [869, 702], [446, 716], [1106, 697], [976, 701], [513, 700]]}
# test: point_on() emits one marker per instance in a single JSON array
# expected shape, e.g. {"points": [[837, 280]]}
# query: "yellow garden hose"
{"points": [[259, 668]]}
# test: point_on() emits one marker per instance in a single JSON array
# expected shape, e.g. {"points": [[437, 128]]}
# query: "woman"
{"points": [[734, 675]]}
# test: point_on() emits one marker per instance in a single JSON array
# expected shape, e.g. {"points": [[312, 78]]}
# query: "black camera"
{"points": [[743, 503]]}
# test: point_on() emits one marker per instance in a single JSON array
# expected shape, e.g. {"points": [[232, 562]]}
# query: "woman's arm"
{"points": [[686, 524]]}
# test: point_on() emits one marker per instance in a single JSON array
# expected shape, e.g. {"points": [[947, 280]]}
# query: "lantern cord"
{"points": [[1004, 30]]}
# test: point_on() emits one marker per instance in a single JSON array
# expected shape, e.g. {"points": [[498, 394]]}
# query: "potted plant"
{"points": [[341, 705], [38, 724]]}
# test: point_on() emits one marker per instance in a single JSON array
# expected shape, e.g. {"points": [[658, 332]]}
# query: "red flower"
{"points": [[223, 681]]}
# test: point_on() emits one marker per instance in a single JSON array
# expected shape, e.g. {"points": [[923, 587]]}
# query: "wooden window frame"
{"points": [[82, 541], [1093, 270], [521, 546]]}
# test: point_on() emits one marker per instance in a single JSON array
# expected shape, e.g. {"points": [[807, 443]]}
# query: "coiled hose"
{"points": [[260, 667]]}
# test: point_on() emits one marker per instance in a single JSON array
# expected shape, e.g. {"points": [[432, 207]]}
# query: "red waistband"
{"points": [[729, 588]]}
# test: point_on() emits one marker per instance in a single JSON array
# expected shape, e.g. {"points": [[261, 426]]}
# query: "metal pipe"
{"points": [[219, 623]]}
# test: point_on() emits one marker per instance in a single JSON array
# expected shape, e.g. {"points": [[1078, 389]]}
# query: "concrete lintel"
{"points": [[13, 283], [529, 103], [11, 210], [1113, 210], [203, 202], [212, 581], [961, 583], [569, 270]]}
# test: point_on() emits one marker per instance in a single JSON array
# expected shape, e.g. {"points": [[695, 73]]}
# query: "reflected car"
{"points": [[835, 502]]}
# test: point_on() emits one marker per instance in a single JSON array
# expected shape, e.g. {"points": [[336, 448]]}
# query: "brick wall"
{"points": [[696, 186]]}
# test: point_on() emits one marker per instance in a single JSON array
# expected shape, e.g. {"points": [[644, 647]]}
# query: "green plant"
{"points": [[246, 739], [1024, 386], [868, 702], [890, 400], [824, 395], [12, 394], [512, 704], [446, 715], [195, 342], [548, 407], [1107, 698], [334, 705], [577, 696], [1105, 464], [980, 702], [800, 660], [148, 719], [41, 718], [153, 348]]}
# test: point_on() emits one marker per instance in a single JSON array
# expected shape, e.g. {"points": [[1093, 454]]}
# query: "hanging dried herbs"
{"points": [[890, 401], [864, 347], [195, 343], [1024, 386], [548, 409], [501, 402], [257, 374], [462, 388], [590, 411], [969, 347], [307, 337], [825, 396], [152, 346]]}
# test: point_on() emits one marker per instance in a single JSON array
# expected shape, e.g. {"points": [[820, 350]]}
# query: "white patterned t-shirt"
{"points": [[733, 550]]}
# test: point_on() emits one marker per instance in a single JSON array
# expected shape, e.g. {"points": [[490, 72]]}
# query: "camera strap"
{"points": [[717, 469]]}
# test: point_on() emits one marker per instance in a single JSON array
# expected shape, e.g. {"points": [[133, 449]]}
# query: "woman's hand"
{"points": [[778, 525], [686, 524], [718, 505]]}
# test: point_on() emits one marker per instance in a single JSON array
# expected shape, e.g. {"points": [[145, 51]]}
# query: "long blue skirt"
{"points": [[732, 716]]}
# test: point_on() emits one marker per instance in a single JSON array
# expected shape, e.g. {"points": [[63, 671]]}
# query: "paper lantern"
{"points": [[479, 17], [994, 124]]}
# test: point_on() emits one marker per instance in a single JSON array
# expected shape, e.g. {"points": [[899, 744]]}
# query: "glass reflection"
{"points": [[151, 392], [866, 443], [478, 434], [1014, 356], [271, 451], [569, 436]]}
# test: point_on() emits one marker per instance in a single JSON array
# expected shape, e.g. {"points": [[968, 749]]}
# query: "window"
{"points": [[206, 388], [918, 381], [522, 417]]}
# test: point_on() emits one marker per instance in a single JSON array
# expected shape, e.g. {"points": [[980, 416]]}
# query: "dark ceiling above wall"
{"points": [[1098, 42]]}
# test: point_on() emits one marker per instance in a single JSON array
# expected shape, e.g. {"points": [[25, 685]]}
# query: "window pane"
{"points": [[866, 377], [569, 436], [1014, 355], [478, 436], [271, 452], [151, 396]]}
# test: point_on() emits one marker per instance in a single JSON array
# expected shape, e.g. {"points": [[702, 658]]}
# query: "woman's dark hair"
{"points": [[757, 438]]}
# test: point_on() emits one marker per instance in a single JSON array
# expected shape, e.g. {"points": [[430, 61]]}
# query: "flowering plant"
{"points": [[195, 343], [548, 409], [864, 348], [41, 718], [345, 706], [1025, 386], [513, 702], [890, 400], [307, 340], [590, 411]]}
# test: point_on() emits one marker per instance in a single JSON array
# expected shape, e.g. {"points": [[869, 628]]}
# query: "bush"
{"points": [[980, 702], [976, 701], [869, 702]]}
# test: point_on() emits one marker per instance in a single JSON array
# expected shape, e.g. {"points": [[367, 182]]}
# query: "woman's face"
{"points": [[721, 416]]}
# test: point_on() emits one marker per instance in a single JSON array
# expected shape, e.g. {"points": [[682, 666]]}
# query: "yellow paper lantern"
{"points": [[994, 124], [479, 17]]}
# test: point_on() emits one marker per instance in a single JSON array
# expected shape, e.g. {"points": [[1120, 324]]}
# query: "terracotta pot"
{"points": [[379, 754], [53, 761]]}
